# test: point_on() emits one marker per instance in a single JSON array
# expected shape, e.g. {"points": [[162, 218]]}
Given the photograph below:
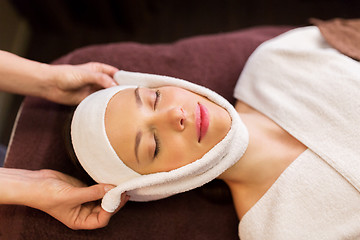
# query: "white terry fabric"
{"points": [[312, 91], [99, 159], [310, 200], [90, 142]]}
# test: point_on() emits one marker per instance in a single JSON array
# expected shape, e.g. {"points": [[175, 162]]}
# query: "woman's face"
{"points": [[161, 129]]}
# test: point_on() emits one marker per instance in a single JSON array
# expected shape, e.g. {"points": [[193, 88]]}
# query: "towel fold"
{"points": [[99, 159], [310, 90]]}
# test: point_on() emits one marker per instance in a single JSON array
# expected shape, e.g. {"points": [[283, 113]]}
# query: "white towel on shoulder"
{"points": [[312, 91]]}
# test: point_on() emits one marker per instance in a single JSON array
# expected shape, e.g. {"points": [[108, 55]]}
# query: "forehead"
{"points": [[119, 105], [121, 122]]}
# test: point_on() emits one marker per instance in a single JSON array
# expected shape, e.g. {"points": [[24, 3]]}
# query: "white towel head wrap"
{"points": [[100, 161]]}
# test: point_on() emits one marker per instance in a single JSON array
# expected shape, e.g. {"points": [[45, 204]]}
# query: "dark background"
{"points": [[60, 26]]}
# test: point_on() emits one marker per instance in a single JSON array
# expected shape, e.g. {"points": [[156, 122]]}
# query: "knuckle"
{"points": [[98, 191], [95, 65], [101, 79]]}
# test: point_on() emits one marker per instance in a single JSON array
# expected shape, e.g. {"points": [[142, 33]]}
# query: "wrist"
{"points": [[17, 186], [22, 76], [45, 80]]}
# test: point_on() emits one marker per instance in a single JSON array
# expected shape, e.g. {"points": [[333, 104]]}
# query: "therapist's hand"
{"points": [[65, 84], [71, 201], [69, 84]]}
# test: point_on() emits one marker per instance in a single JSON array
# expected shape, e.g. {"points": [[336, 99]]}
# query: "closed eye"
{"points": [[157, 98], [157, 146]]}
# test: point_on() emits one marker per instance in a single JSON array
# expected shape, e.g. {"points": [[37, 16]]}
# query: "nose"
{"points": [[174, 118]]}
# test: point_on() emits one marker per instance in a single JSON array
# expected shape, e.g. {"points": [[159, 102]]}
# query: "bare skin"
{"points": [[271, 150], [63, 197]]}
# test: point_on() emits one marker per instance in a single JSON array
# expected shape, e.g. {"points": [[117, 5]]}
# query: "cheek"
{"points": [[178, 153], [178, 95], [181, 154]]}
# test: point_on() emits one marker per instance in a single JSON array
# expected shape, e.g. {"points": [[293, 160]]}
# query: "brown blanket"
{"points": [[37, 143], [341, 34], [213, 61]]}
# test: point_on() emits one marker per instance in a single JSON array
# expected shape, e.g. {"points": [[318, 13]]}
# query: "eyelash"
{"points": [[158, 94], [157, 146], [156, 139]]}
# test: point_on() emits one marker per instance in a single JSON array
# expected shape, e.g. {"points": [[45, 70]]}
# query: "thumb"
{"points": [[93, 193]]}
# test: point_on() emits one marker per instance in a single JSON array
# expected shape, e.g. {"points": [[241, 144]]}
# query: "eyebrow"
{"points": [[137, 142], [139, 103], [137, 97]]}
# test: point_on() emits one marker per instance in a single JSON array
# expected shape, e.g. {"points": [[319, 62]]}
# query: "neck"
{"points": [[270, 151], [264, 156]]}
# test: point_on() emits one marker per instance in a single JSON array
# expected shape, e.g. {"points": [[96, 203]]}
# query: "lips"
{"points": [[202, 121]]}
